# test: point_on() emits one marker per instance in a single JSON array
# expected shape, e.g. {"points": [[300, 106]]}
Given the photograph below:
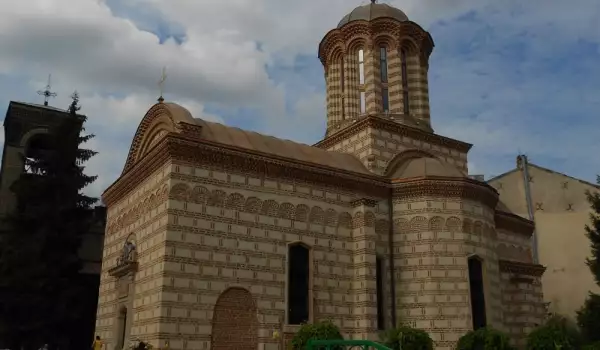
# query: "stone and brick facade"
{"points": [[375, 225]]}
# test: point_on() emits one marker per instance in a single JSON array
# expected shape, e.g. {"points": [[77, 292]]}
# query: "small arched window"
{"points": [[404, 81]]}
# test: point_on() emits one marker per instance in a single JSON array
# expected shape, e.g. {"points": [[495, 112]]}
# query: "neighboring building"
{"points": [[218, 237], [560, 210], [26, 129]]}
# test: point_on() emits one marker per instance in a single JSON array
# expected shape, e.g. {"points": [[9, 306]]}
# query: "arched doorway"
{"points": [[235, 325]]}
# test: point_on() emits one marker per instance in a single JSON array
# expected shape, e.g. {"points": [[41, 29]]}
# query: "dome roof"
{"points": [[372, 11], [425, 167]]}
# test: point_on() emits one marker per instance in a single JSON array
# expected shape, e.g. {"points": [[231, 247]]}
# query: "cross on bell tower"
{"points": [[47, 93]]}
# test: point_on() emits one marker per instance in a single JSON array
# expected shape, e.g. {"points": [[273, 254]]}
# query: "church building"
{"points": [[220, 238]]}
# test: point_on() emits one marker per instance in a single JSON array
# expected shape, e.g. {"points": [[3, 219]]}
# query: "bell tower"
{"points": [[376, 62]]}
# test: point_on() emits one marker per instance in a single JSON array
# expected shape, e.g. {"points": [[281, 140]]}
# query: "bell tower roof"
{"points": [[372, 11]]}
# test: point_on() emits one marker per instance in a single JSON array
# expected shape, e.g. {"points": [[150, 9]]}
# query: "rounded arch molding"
{"points": [[395, 31], [29, 135], [402, 157], [159, 120]]}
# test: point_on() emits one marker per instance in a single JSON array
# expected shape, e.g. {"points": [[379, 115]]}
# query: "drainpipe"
{"points": [[523, 165], [391, 255]]}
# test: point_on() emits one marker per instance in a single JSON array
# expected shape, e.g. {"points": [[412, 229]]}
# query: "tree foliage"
{"points": [[407, 338], [484, 339], [588, 317], [39, 262], [556, 333], [324, 330], [593, 233]]}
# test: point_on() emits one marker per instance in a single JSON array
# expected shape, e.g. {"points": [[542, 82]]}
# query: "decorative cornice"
{"points": [[367, 202], [203, 152], [446, 187], [520, 268], [513, 223], [376, 122], [188, 148]]}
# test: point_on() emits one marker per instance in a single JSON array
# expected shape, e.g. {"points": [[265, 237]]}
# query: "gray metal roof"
{"points": [[371, 11]]}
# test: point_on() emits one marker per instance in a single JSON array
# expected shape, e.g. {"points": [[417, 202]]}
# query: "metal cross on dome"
{"points": [[47, 93]]}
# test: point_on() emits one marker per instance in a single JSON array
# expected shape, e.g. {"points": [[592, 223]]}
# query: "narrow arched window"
{"points": [[476, 291], [298, 284], [383, 64], [361, 66], [404, 81], [361, 81], [343, 85]]}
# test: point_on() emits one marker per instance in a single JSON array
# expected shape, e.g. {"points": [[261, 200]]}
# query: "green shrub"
{"points": [[324, 330], [484, 339], [556, 333], [593, 346], [407, 338], [588, 318]]}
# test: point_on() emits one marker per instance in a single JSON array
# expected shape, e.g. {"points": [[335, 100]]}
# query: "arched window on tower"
{"points": [[298, 284], [343, 85], [477, 293], [383, 63], [37, 154], [404, 81], [361, 81]]}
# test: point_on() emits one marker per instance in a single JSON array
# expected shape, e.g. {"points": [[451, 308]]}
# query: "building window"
{"points": [[343, 86], [361, 66], [298, 284], [477, 292], [363, 102], [380, 308], [342, 75], [383, 64], [404, 81], [385, 99]]}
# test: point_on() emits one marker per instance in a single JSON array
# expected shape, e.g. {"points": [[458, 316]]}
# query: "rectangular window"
{"points": [[363, 102], [298, 284], [380, 308], [383, 64], [385, 100]]}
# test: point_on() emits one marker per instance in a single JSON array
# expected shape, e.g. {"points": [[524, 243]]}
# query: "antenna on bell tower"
{"points": [[47, 93]]}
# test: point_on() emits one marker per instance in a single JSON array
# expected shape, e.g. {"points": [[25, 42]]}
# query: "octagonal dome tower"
{"points": [[376, 63]]}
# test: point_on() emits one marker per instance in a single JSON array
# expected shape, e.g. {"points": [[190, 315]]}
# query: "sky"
{"points": [[508, 76]]}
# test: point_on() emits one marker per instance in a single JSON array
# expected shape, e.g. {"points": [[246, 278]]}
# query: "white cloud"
{"points": [[230, 46]]}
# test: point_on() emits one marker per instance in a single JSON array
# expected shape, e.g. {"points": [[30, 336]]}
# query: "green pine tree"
{"points": [[588, 317], [593, 233], [39, 262]]}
